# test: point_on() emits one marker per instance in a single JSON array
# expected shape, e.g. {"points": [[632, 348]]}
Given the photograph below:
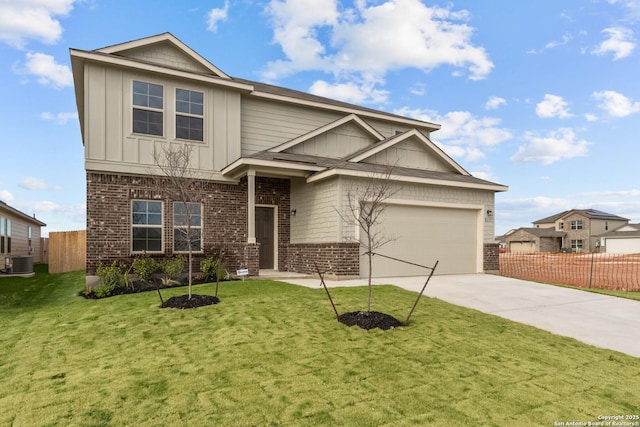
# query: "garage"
{"points": [[425, 234], [522, 246], [623, 246]]}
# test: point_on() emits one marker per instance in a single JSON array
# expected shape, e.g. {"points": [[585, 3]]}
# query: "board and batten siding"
{"points": [[111, 144], [336, 143], [409, 154]]}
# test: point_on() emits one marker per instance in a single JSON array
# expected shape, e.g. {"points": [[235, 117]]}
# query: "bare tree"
{"points": [[367, 203], [181, 184]]}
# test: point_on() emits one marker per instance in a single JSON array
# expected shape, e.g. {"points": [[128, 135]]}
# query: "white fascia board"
{"points": [[147, 41], [273, 164], [381, 116], [325, 128], [412, 133], [401, 178], [152, 68]]}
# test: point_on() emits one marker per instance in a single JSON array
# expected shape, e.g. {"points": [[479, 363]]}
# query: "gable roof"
{"points": [[351, 118], [391, 141], [115, 55], [628, 230], [22, 215], [541, 232], [588, 213], [163, 38]]}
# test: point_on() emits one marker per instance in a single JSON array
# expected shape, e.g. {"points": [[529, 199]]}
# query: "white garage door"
{"points": [[522, 246], [423, 235], [623, 246]]}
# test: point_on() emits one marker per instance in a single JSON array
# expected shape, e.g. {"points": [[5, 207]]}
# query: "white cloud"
{"points": [[350, 92], [616, 104], [632, 6], [556, 145], [31, 183], [462, 134], [32, 19], [494, 102], [47, 71], [591, 117], [59, 118], [620, 42], [315, 35], [553, 106], [217, 15], [6, 196]]}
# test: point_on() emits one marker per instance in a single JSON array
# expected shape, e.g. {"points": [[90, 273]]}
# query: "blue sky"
{"points": [[542, 96]]}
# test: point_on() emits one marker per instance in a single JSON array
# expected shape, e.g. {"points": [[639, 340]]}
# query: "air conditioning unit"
{"points": [[18, 264]]}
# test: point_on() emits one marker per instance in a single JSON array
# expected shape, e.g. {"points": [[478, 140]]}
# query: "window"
{"points": [[1, 235], [148, 105], [576, 245], [576, 224], [606, 225], [187, 227], [8, 236], [561, 225], [29, 238], [146, 226], [189, 114]]}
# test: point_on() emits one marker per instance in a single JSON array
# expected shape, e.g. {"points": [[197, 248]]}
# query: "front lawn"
{"points": [[273, 354]]}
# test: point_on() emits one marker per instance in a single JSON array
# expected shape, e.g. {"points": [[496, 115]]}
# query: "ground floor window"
{"points": [[187, 227], [576, 245], [146, 226]]}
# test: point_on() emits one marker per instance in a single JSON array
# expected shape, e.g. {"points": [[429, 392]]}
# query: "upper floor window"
{"points": [[576, 224], [146, 226], [148, 107], [189, 114], [561, 225], [187, 227], [606, 225]]}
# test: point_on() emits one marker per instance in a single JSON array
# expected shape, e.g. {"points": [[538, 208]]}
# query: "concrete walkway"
{"points": [[599, 320]]}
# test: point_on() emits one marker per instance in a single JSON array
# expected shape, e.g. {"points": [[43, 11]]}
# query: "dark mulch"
{"points": [[139, 286], [182, 301], [369, 320]]}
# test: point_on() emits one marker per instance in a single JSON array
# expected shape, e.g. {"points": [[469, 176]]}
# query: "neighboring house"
{"points": [[279, 165], [623, 240], [534, 240], [582, 227], [19, 234]]}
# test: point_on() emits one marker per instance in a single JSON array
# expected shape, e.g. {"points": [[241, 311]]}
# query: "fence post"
{"points": [[591, 270]]}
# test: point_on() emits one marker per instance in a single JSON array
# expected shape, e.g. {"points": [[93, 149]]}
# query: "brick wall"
{"points": [[224, 215], [342, 258], [491, 257]]}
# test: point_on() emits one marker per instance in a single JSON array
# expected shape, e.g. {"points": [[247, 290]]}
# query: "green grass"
{"points": [[272, 354]]}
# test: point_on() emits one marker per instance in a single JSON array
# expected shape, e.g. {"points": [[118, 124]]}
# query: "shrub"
{"points": [[110, 276], [209, 266], [173, 267], [102, 291], [145, 267]]}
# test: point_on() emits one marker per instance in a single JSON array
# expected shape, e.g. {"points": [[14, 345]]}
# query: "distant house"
{"points": [[19, 234], [278, 166], [534, 240], [623, 240], [580, 229]]}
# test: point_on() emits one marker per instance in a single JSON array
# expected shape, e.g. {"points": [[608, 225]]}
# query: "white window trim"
{"points": [[132, 225], [176, 113], [163, 110]]}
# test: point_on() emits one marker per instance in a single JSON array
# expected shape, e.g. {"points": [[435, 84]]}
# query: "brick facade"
{"points": [[491, 257], [224, 216], [341, 259]]}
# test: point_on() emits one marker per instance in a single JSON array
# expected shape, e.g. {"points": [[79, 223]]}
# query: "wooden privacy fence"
{"points": [[67, 251], [619, 272]]}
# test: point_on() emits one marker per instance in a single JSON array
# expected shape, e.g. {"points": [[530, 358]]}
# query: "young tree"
{"points": [[185, 190], [366, 205]]}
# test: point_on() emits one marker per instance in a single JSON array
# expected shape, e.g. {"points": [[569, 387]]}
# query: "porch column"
{"points": [[251, 205]]}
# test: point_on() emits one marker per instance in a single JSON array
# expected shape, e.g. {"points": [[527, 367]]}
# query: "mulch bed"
{"points": [[182, 301], [369, 320]]}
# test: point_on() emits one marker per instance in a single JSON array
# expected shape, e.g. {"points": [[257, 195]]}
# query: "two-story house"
{"points": [[277, 165], [577, 229]]}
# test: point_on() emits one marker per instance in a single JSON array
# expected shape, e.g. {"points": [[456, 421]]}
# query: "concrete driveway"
{"points": [[600, 320]]}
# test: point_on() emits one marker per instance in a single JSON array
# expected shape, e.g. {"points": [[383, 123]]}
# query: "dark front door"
{"points": [[265, 236]]}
